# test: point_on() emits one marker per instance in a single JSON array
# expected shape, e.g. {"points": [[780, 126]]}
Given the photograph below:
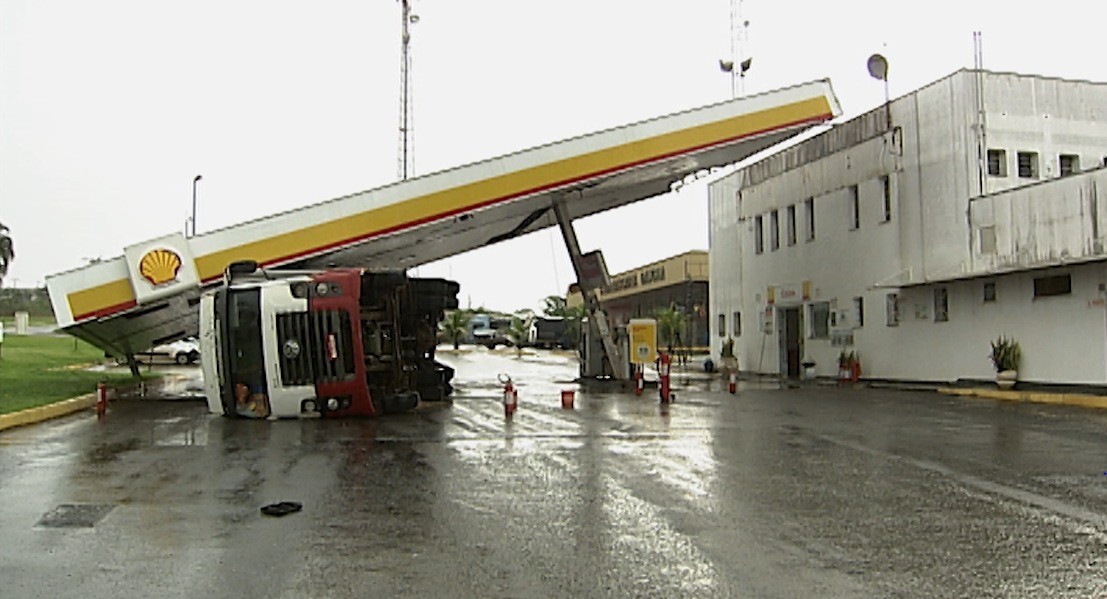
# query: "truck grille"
{"points": [[315, 347]]}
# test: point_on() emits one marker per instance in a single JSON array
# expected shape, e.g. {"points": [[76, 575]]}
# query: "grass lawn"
{"points": [[36, 370]]}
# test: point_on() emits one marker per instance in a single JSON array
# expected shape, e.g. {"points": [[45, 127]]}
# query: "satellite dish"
{"points": [[878, 67]]}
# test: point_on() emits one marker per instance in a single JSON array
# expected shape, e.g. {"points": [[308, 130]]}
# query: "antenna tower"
{"points": [[406, 160]]}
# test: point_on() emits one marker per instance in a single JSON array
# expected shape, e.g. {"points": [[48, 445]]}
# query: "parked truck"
{"points": [[549, 332], [339, 342]]}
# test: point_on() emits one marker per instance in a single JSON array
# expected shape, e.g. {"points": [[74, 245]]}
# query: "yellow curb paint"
{"points": [[1061, 399], [41, 413]]}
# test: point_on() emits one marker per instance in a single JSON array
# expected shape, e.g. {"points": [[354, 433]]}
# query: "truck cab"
{"points": [[338, 342]]}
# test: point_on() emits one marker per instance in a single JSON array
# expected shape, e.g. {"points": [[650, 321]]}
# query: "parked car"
{"points": [[490, 338], [182, 351]]}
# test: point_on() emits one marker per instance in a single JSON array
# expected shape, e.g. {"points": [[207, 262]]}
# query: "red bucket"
{"points": [[567, 399]]}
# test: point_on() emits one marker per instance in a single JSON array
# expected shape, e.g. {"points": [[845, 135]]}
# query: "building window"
{"points": [[886, 189], [792, 224], [997, 163], [737, 323], [891, 309], [941, 304], [1028, 165], [819, 316], [854, 208], [758, 235], [722, 325], [1069, 164], [809, 217], [1054, 285], [774, 230], [859, 311], [989, 291]]}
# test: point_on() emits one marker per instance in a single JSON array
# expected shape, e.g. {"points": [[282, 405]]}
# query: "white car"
{"points": [[183, 351]]}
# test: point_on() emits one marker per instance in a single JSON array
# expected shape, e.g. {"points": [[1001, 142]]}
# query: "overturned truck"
{"points": [[338, 342]]}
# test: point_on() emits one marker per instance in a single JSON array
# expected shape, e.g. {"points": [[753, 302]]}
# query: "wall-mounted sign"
{"points": [[791, 293], [160, 267]]}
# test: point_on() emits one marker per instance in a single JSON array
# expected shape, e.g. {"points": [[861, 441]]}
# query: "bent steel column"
{"points": [[597, 318]]}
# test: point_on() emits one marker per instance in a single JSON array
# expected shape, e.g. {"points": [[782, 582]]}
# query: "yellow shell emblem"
{"points": [[160, 266]]}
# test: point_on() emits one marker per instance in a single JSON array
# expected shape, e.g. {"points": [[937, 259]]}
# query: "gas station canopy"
{"points": [[149, 294]]}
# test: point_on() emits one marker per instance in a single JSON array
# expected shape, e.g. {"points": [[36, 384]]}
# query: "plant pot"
{"points": [[1005, 379]]}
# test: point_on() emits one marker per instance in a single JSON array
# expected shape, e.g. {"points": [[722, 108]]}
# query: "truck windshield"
{"points": [[245, 355]]}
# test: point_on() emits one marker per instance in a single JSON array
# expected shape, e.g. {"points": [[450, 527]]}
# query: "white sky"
{"points": [[108, 109]]}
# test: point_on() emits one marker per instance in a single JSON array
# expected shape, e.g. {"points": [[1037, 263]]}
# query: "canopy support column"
{"points": [[597, 318]]}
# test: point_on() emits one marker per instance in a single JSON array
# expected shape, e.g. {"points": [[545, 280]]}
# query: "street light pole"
{"points": [[194, 180]]}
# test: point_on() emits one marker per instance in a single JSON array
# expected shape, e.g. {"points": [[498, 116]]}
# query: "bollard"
{"points": [[567, 399], [639, 381], [732, 384], [101, 400]]}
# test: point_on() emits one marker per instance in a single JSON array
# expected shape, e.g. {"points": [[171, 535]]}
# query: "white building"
{"points": [[917, 233]]}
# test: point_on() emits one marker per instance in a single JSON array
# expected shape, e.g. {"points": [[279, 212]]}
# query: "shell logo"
{"points": [[160, 266]]}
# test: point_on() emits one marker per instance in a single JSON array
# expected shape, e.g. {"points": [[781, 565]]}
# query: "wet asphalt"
{"points": [[773, 492]]}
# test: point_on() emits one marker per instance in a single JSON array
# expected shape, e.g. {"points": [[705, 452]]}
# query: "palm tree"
{"points": [[573, 316], [518, 333], [670, 321], [7, 251], [555, 306], [455, 325]]}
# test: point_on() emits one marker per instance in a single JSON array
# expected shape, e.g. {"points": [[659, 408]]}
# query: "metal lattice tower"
{"points": [[406, 159]]}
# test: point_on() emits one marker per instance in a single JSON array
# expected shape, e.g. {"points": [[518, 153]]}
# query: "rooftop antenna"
{"points": [[981, 114], [738, 64], [878, 69], [406, 161]]}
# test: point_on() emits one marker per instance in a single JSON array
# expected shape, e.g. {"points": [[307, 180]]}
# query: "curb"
{"points": [[1064, 399], [47, 412]]}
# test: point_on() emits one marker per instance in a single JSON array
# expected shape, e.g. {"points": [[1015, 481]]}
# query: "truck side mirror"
{"points": [[240, 267]]}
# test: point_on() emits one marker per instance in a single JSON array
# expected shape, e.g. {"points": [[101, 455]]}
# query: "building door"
{"points": [[790, 342]]}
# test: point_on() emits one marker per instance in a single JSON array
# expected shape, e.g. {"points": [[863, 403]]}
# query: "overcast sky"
{"points": [[108, 109]]}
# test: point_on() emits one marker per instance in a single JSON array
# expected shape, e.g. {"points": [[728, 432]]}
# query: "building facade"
{"points": [[917, 233], [679, 282]]}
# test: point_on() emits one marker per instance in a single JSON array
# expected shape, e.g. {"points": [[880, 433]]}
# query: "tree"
{"points": [[518, 333], [555, 306], [455, 325], [670, 321], [573, 317], [7, 252]]}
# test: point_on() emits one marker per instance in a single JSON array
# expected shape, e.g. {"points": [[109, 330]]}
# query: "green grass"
{"points": [[36, 370]]}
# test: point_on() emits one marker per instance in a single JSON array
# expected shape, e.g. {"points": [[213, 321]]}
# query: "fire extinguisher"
{"points": [[732, 384], [101, 400], [511, 395], [664, 361]]}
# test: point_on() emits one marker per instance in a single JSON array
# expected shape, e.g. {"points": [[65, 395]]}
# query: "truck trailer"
{"points": [[337, 342]]}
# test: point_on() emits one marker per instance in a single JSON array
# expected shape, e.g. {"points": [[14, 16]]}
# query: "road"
{"points": [[773, 492]]}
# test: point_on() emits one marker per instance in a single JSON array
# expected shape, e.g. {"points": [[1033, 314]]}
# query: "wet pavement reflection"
{"points": [[772, 492]]}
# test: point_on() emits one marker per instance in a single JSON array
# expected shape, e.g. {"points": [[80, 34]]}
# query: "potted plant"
{"points": [[1006, 355]]}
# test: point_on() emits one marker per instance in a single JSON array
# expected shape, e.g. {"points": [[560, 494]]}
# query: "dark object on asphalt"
{"points": [[282, 508], [709, 365]]}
